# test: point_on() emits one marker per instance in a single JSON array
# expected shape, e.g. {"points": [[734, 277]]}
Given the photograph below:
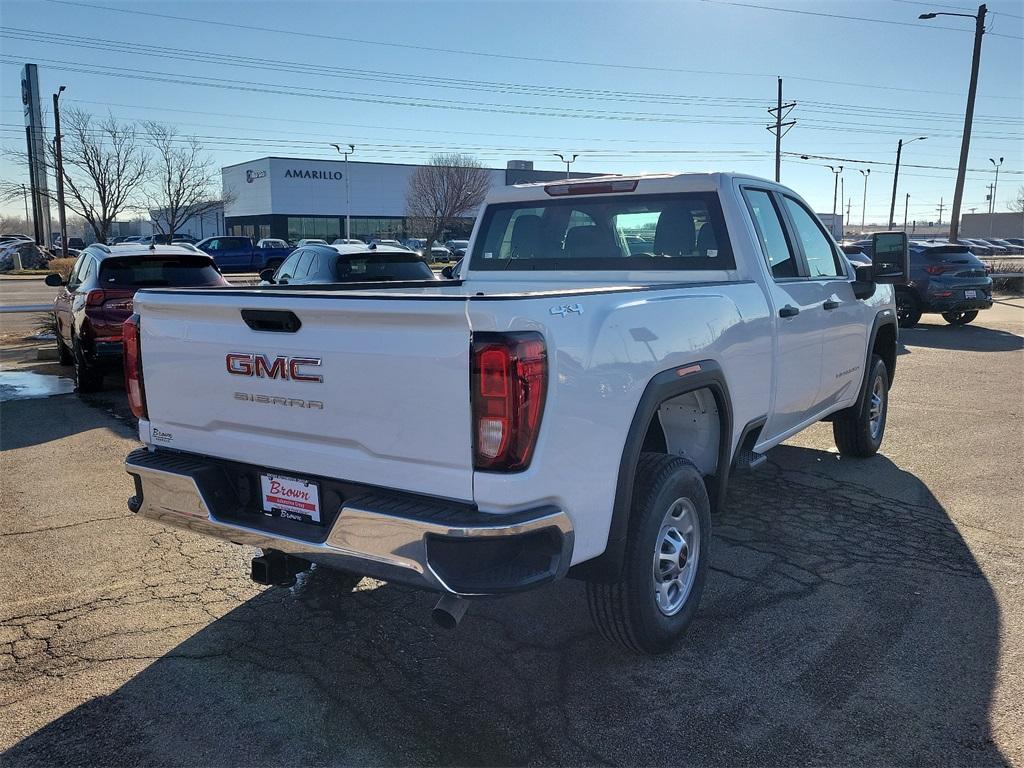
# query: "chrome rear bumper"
{"points": [[395, 537]]}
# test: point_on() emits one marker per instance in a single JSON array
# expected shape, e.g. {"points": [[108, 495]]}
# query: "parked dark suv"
{"points": [[944, 278], [97, 298]]}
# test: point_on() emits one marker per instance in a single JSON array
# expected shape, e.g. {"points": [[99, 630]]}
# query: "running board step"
{"points": [[748, 459]]}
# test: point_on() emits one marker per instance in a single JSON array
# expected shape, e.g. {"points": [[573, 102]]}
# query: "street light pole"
{"points": [[995, 186], [906, 207], [865, 172], [568, 162], [896, 177], [24, 192], [60, 173], [965, 146], [348, 188]]}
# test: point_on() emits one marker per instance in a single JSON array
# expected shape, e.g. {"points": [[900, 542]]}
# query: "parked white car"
{"points": [[566, 406]]}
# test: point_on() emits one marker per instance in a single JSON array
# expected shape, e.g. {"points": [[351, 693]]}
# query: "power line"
{"points": [[277, 31], [822, 14]]}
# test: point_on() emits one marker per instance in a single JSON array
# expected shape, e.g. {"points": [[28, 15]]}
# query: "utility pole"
{"points": [[568, 162], [942, 207], [348, 189], [906, 207], [896, 178], [24, 192], [837, 171], [865, 172], [965, 146], [60, 173], [995, 186], [780, 111], [990, 198]]}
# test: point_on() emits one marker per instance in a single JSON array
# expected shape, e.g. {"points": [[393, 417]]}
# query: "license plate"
{"points": [[970, 294], [291, 498]]}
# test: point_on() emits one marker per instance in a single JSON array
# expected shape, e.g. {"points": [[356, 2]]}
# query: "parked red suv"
{"points": [[97, 299]]}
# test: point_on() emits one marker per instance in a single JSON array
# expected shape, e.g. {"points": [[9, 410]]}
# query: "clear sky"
{"points": [[629, 86]]}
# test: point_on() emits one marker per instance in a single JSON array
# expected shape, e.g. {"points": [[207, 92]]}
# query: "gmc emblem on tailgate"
{"points": [[263, 367]]}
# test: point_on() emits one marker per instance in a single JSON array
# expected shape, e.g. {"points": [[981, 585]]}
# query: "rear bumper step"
{"points": [[392, 536]]}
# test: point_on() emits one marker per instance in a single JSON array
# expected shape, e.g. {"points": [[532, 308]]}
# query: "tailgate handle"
{"points": [[273, 320]]}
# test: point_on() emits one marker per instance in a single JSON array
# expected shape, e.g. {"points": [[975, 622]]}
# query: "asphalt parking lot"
{"points": [[858, 612]]}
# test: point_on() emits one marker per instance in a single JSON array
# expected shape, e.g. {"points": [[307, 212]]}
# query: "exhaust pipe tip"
{"points": [[449, 611]]}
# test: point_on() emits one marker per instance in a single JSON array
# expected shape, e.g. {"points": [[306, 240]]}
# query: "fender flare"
{"points": [[883, 318], [663, 386]]}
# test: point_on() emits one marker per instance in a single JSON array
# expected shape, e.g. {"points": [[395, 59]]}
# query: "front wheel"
{"points": [[908, 309], [655, 598], [859, 431], [959, 318]]}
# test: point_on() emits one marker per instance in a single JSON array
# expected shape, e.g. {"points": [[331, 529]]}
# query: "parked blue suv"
{"points": [[944, 278]]}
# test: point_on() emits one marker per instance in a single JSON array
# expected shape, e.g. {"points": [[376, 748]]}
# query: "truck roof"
{"points": [[649, 183]]}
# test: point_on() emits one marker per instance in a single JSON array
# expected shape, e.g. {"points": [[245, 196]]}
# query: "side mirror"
{"points": [[54, 280], [267, 275], [890, 258], [448, 272]]}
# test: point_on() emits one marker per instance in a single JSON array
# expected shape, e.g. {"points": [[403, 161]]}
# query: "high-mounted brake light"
{"points": [[591, 188], [509, 375], [133, 383]]}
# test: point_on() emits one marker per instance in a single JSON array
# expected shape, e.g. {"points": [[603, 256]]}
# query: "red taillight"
{"points": [[509, 383], [133, 384], [939, 269], [95, 298]]}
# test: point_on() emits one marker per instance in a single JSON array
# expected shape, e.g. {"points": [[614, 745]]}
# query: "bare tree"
{"points": [[452, 186], [184, 182], [1017, 203], [104, 166]]}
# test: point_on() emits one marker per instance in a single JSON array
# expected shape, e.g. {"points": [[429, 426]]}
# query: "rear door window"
{"points": [[157, 271], [774, 243], [684, 231]]}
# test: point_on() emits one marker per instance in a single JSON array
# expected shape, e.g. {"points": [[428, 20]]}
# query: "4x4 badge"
{"points": [[567, 309]]}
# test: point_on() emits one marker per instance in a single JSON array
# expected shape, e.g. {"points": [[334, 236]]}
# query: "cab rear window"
{"points": [[628, 232], [158, 271]]}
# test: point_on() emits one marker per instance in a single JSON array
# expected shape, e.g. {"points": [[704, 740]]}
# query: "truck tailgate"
{"points": [[393, 407]]}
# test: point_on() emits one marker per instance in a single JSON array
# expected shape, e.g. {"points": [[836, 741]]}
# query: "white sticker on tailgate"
{"points": [[291, 498]]}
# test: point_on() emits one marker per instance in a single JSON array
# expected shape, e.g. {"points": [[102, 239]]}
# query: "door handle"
{"points": [[789, 311], [830, 304]]}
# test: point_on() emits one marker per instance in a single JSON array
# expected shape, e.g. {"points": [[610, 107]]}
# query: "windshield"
{"points": [[158, 271], [396, 266], [624, 232]]}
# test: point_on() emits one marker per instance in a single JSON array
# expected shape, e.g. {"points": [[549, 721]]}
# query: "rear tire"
{"points": [[859, 431], [649, 607], [908, 309], [87, 378], [959, 318]]}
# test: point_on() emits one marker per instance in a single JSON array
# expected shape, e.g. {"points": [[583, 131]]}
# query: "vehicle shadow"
{"points": [[844, 623], [967, 338], [29, 422]]}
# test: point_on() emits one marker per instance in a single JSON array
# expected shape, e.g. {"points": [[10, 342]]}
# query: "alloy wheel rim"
{"points": [[877, 407], [676, 554]]}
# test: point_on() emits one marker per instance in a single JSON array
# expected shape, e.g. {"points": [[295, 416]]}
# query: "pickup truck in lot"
{"points": [[567, 405], [239, 254]]}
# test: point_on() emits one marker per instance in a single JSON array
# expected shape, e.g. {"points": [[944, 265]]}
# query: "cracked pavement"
{"points": [[858, 612]]}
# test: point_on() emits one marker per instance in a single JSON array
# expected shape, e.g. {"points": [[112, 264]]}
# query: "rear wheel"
{"points": [[959, 318], [87, 378], [859, 431], [649, 607], [908, 309]]}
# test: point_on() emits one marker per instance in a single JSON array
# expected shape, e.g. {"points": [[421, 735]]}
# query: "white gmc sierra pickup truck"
{"points": [[572, 403]]}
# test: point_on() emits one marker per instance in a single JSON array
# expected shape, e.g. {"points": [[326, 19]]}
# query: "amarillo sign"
{"points": [[297, 173]]}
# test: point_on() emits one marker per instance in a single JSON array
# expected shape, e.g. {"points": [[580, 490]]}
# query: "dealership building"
{"points": [[292, 198]]}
